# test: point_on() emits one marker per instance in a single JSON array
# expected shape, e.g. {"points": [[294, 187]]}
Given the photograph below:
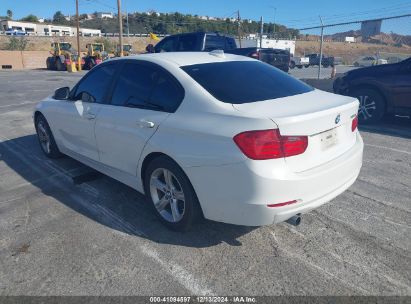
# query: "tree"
{"points": [[30, 18], [59, 18], [9, 14]]}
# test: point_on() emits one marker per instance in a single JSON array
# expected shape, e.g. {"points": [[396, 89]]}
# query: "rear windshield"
{"points": [[245, 81]]}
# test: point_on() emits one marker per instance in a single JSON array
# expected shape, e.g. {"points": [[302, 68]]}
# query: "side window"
{"points": [[94, 86], [167, 94], [147, 87], [230, 43], [214, 42], [167, 45], [187, 43], [134, 85]]}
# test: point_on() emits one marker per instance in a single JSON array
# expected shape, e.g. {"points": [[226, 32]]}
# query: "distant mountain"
{"points": [[382, 38]]}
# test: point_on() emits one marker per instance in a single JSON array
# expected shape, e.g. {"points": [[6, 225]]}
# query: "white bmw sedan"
{"points": [[207, 134]]}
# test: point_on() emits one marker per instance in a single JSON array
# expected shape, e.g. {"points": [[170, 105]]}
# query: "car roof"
{"points": [[186, 58]]}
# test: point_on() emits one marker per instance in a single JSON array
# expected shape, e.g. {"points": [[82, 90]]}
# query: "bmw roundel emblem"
{"points": [[337, 119]]}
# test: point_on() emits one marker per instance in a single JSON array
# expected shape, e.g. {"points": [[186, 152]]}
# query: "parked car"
{"points": [[367, 61], [380, 89], [276, 57], [326, 61], [209, 41], [299, 62], [213, 134]]}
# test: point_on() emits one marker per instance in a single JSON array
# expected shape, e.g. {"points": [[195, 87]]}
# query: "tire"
{"points": [[60, 65], [48, 63], [372, 105], [46, 139], [292, 65], [307, 65], [91, 63], [167, 191], [300, 66]]}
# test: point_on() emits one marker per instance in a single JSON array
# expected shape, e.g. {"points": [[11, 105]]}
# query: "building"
{"points": [[104, 15], [28, 27], [41, 29]]}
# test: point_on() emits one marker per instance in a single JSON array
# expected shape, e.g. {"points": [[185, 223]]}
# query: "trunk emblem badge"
{"points": [[337, 119]]}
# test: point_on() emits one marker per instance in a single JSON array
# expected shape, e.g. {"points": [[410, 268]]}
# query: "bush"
{"points": [[16, 44]]}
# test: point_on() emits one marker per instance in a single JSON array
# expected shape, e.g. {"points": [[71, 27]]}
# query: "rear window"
{"points": [[245, 81]]}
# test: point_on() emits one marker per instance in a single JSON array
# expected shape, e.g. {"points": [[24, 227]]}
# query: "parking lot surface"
{"points": [[101, 238], [312, 71]]}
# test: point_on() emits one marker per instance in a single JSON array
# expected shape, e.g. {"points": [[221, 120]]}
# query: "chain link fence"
{"points": [[351, 45]]}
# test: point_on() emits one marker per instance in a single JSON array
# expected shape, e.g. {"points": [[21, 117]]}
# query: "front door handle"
{"points": [[146, 124], [90, 116]]}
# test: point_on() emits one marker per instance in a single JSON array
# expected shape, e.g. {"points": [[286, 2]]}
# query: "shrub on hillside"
{"points": [[16, 44]]}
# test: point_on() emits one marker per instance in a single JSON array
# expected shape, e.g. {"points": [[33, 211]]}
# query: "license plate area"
{"points": [[328, 139]]}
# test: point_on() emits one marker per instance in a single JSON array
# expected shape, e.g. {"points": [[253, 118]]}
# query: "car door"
{"points": [[398, 82], [74, 119], [143, 96]]}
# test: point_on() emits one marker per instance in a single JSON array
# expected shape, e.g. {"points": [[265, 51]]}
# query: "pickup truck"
{"points": [[276, 57], [209, 41], [299, 62], [327, 61]]}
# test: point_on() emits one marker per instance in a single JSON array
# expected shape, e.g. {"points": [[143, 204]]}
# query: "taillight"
{"points": [[269, 144], [255, 55], [354, 123]]}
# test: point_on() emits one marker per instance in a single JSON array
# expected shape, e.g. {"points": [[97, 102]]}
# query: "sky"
{"points": [[295, 13]]}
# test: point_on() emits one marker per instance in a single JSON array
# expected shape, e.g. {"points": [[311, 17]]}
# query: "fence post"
{"points": [[321, 48]]}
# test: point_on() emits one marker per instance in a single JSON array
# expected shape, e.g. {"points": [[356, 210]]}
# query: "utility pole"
{"points": [[78, 38], [120, 27], [239, 27], [275, 13], [128, 27], [321, 48], [261, 32]]}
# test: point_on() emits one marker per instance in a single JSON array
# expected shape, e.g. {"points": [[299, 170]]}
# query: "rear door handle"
{"points": [[146, 124]]}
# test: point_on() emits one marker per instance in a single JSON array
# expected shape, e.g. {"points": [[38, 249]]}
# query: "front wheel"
{"points": [[372, 105], [47, 143], [171, 194]]}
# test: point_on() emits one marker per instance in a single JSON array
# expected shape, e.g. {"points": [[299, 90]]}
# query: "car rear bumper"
{"points": [[239, 193]]}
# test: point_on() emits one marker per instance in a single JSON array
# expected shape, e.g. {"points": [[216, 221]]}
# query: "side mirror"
{"points": [[62, 93], [86, 97]]}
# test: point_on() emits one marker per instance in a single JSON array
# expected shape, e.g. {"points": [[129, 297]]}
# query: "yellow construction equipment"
{"points": [[127, 50], [95, 55], [62, 55]]}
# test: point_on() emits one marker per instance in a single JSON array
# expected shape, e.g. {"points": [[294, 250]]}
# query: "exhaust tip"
{"points": [[294, 220]]}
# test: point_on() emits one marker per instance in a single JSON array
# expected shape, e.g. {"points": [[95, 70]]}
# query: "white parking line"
{"points": [[387, 148], [18, 104]]}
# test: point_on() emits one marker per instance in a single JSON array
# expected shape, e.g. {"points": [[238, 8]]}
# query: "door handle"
{"points": [[90, 116], [146, 124]]}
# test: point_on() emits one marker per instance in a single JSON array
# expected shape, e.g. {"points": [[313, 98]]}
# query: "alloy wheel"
{"points": [[367, 106], [167, 194], [43, 137]]}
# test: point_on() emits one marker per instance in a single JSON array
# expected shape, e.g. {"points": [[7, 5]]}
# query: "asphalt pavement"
{"points": [[101, 238]]}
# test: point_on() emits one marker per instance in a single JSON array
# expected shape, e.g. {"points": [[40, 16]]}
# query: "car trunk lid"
{"points": [[323, 117]]}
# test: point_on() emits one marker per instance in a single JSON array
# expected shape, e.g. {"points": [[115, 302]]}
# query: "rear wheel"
{"points": [[307, 65], [171, 194], [48, 63], [300, 66], [372, 105], [60, 65], [47, 143]]}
